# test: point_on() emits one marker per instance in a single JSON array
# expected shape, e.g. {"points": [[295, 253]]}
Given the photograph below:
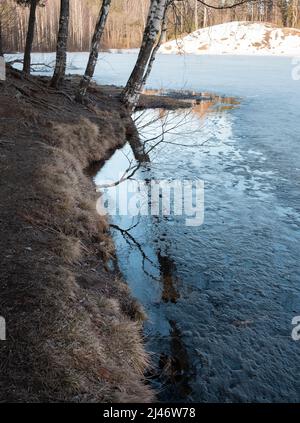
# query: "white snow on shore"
{"points": [[241, 38]]}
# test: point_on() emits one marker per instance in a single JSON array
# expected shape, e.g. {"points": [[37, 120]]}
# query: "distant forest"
{"points": [[127, 18]]}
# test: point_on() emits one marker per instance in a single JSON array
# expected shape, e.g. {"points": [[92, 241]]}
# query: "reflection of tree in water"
{"points": [[215, 104], [167, 271], [203, 103], [175, 368]]}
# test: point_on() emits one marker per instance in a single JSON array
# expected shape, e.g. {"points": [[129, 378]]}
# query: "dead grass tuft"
{"points": [[68, 248]]}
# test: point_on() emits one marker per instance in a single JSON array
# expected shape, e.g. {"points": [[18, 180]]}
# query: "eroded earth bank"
{"points": [[73, 330]]}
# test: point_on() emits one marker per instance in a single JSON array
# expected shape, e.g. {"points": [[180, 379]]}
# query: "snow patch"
{"points": [[241, 38]]}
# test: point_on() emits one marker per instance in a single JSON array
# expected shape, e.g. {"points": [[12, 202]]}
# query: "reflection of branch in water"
{"points": [[126, 234], [138, 245]]}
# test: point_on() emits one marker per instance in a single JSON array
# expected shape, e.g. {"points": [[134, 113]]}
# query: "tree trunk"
{"points": [[162, 36], [294, 13], [29, 38], [1, 41], [196, 15], [205, 18], [132, 91], [284, 12], [90, 69], [270, 10], [61, 47]]}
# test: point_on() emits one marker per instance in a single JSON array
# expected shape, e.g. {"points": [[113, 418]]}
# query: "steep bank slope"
{"points": [[73, 331], [238, 38]]}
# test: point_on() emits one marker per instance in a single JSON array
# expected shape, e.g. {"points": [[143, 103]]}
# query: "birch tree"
{"points": [[30, 32], [61, 47], [94, 52], [1, 42], [2, 15], [138, 77], [7, 21]]}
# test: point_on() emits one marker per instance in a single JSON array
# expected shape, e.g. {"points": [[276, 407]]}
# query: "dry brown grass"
{"points": [[74, 331]]}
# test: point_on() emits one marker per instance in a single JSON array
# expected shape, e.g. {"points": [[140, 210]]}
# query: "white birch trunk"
{"points": [[90, 69], [61, 47], [137, 79]]}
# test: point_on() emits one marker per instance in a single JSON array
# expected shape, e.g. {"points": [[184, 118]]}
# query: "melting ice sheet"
{"points": [[220, 297]]}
